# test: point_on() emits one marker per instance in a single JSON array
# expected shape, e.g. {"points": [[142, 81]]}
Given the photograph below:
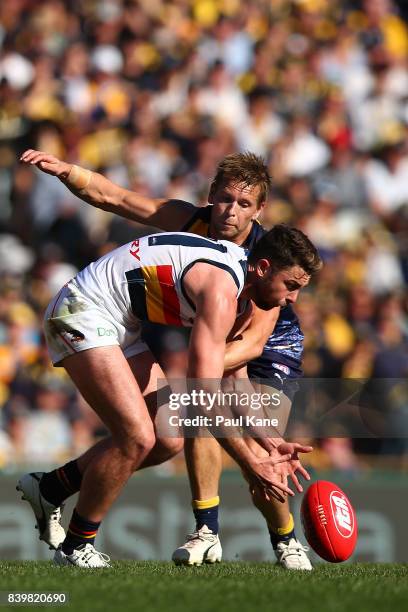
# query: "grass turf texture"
{"points": [[236, 587]]}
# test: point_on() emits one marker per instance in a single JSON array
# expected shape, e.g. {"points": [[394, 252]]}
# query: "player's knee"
{"points": [[165, 449], [170, 447], [146, 441], [137, 447]]}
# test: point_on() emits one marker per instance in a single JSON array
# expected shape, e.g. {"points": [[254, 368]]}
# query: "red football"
{"points": [[329, 521]]}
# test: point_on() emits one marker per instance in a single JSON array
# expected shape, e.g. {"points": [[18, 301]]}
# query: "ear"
{"points": [[260, 208], [262, 267]]}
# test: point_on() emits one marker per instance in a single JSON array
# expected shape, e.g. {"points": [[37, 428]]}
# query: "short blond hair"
{"points": [[244, 168]]}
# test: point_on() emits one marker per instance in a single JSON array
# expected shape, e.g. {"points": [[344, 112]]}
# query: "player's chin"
{"points": [[226, 232]]}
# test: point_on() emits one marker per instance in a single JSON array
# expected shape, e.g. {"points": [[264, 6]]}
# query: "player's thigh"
{"points": [[104, 378], [150, 379], [155, 389]]}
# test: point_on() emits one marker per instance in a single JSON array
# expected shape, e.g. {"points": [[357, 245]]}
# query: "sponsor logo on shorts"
{"points": [[276, 375], [282, 368], [106, 332], [342, 514]]}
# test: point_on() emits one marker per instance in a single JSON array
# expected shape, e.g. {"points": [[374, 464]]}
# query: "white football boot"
{"points": [[202, 546], [83, 556], [48, 516], [292, 555]]}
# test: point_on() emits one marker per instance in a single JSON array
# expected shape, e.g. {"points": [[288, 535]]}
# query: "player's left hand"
{"points": [[46, 162]]}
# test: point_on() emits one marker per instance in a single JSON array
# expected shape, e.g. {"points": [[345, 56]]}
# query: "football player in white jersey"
{"points": [[182, 279]]}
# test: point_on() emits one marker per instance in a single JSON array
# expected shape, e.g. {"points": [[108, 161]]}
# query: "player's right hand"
{"points": [[263, 476], [46, 162], [293, 467]]}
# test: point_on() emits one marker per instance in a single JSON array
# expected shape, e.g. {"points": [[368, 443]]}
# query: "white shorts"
{"points": [[74, 323]]}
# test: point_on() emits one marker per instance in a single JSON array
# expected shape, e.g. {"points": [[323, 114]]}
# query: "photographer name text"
{"points": [[221, 421]]}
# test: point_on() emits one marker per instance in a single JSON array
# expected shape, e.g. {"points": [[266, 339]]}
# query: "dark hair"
{"points": [[246, 168], [285, 247]]}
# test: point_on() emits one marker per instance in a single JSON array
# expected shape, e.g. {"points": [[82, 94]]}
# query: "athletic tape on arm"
{"points": [[78, 177]]}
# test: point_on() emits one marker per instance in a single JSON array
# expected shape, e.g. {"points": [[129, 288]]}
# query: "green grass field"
{"points": [[228, 587]]}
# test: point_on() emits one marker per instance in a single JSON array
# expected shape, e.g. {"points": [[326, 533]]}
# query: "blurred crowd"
{"points": [[153, 93]]}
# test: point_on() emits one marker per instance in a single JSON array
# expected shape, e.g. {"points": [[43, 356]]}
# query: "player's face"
{"points": [[271, 289], [234, 209]]}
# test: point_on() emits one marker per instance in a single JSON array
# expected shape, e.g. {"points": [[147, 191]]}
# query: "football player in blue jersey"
{"points": [[271, 344]]}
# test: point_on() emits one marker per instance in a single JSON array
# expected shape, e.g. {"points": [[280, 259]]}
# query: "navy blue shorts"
{"points": [[276, 378]]}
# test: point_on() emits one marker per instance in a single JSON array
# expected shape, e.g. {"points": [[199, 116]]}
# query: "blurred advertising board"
{"points": [[153, 515]]}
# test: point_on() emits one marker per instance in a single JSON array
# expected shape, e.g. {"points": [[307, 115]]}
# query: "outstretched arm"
{"points": [[100, 192], [214, 294]]}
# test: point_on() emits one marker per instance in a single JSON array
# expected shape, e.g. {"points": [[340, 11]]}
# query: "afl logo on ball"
{"points": [[342, 512]]}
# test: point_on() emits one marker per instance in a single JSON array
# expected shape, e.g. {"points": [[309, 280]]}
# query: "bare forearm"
{"points": [[169, 215], [241, 350], [238, 449], [209, 373], [249, 344], [100, 192], [97, 190]]}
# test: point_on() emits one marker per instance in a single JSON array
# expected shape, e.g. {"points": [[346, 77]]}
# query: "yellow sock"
{"points": [[204, 504], [281, 531]]}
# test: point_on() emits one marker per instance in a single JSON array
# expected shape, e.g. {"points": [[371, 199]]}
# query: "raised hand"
{"points": [[46, 162]]}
